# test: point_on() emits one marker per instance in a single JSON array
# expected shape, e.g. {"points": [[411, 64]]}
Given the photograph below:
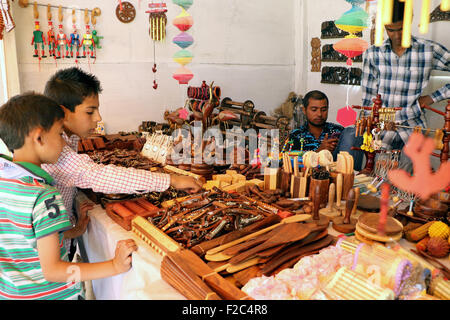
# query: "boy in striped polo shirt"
{"points": [[33, 260]]}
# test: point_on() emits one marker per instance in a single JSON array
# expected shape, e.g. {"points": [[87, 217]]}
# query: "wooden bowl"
{"points": [[431, 207]]}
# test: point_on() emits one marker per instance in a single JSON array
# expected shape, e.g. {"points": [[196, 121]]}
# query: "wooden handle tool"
{"points": [[346, 224]]}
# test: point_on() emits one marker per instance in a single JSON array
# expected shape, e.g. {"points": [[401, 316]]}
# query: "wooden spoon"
{"points": [[285, 234]]}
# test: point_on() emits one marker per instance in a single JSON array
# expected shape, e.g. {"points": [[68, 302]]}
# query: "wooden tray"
{"points": [[136, 209]]}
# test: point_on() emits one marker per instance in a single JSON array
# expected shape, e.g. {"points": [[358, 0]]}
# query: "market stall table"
{"points": [[143, 281]]}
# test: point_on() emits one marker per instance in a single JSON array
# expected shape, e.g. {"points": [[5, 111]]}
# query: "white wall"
{"points": [[245, 47]]}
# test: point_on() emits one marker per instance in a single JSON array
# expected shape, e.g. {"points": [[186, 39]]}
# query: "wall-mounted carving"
{"points": [[439, 15], [315, 55], [340, 75], [331, 55], [330, 31]]}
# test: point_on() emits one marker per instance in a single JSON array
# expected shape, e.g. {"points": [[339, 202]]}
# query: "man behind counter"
{"points": [[318, 134]]}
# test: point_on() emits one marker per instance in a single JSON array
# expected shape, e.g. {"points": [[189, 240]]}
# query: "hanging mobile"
{"points": [[157, 30]]}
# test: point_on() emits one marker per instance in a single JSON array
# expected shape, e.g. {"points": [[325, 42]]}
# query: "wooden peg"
{"points": [[317, 218], [86, 16], [23, 3], [339, 185], [49, 13], [60, 14], [355, 205], [296, 172], [331, 210], [94, 14], [74, 17], [346, 224], [35, 10]]}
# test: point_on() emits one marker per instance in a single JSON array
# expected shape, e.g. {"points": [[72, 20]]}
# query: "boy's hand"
{"points": [[122, 259], [185, 183], [328, 144]]}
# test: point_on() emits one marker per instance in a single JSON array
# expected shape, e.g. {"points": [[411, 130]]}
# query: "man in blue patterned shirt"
{"points": [[317, 133], [400, 75]]}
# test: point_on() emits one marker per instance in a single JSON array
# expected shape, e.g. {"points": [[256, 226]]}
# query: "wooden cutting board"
{"points": [[369, 222]]}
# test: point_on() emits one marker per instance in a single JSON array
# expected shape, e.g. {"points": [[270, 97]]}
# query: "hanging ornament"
{"points": [[125, 12], [62, 43], [95, 37], [38, 38], [183, 40], [352, 21], [74, 41], [183, 75], [51, 40], [351, 47], [183, 22], [157, 30]]}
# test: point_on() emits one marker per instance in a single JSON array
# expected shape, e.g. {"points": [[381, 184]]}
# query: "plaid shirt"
{"points": [[78, 170], [401, 80]]}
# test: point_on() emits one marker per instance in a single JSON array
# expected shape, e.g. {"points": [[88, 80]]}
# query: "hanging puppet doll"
{"points": [[75, 42], [51, 40], [88, 43], [62, 43]]}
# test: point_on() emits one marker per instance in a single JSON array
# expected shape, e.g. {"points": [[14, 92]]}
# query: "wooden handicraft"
{"points": [[123, 212], [346, 224], [330, 210], [331, 55], [341, 75], [439, 15], [125, 12], [350, 285], [330, 31], [315, 55]]}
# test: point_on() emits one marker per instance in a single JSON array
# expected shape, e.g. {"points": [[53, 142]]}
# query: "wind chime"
{"points": [[157, 30], [352, 21], [183, 22], [384, 16]]}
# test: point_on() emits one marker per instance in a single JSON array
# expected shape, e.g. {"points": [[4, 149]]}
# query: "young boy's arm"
{"points": [[56, 270]]}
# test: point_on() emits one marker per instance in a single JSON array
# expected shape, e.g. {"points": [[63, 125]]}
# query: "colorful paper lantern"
{"points": [[183, 21], [183, 40], [351, 47], [185, 4], [183, 57], [353, 21], [183, 75]]}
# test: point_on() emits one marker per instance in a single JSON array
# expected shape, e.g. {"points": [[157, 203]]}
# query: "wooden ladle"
{"points": [[346, 224]]}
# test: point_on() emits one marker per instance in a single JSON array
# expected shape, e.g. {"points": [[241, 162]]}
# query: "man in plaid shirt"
{"points": [[400, 75], [78, 93]]}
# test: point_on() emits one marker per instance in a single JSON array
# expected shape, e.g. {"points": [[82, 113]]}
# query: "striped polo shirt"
{"points": [[30, 209]]}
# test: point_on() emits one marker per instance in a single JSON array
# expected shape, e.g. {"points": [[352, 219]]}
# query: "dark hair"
{"points": [[398, 11], [316, 95], [69, 87], [25, 112]]}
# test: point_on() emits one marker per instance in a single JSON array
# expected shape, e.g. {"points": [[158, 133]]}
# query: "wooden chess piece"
{"points": [[318, 219], [339, 181], [346, 224], [330, 210]]}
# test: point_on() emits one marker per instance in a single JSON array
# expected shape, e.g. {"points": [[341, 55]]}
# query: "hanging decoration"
{"points": [[75, 42], [125, 12], [88, 42], [95, 37], [38, 39], [62, 43], [6, 20], [183, 22], [157, 30], [352, 21], [51, 35]]}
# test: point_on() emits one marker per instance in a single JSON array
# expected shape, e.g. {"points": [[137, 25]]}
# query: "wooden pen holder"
{"points": [[272, 178], [324, 186], [348, 180], [285, 183]]}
